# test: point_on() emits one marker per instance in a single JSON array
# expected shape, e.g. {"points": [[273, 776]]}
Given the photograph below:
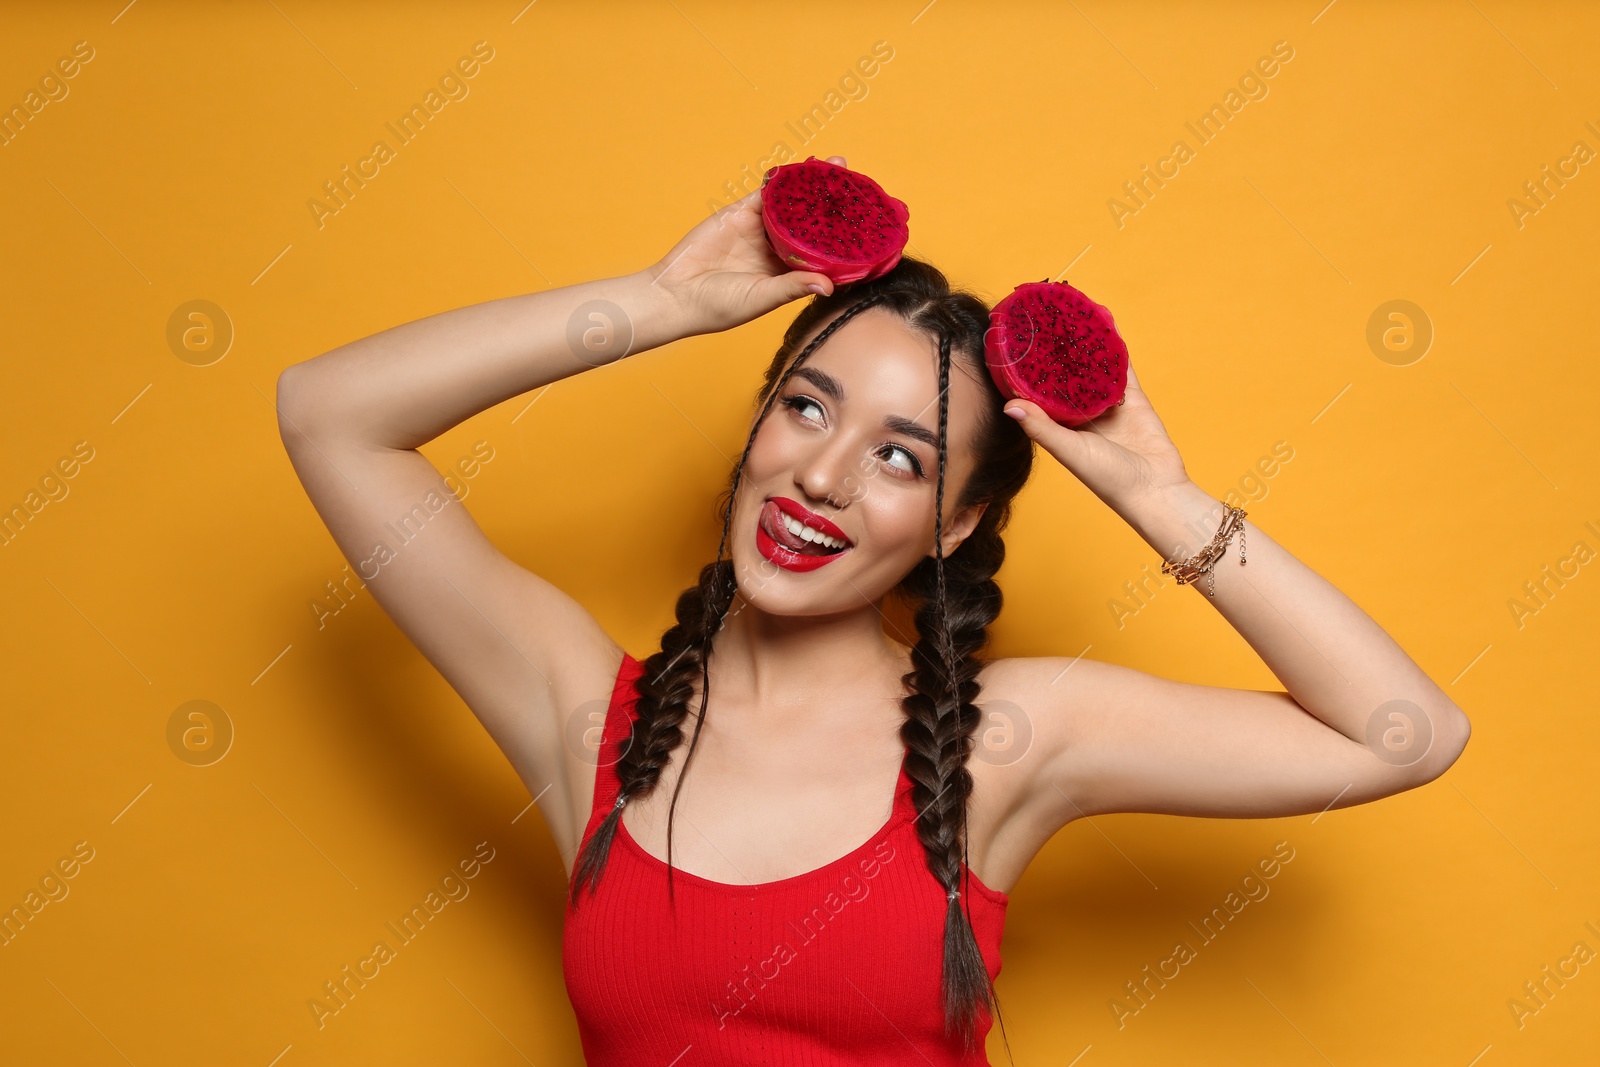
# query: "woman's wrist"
{"points": [[1178, 520], [641, 315]]}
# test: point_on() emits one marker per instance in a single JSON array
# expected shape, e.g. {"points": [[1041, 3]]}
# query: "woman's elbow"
{"points": [[294, 399], [1450, 740]]}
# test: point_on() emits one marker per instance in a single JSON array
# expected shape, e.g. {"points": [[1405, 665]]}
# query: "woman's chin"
{"points": [[772, 590]]}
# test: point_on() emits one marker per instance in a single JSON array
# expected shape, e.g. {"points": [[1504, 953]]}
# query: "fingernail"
{"points": [[1016, 412], [814, 288]]}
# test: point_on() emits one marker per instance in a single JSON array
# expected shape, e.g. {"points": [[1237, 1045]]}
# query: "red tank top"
{"points": [[840, 965]]}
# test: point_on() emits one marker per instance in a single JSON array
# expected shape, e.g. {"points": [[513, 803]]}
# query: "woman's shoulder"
{"points": [[1024, 680], [1020, 677]]}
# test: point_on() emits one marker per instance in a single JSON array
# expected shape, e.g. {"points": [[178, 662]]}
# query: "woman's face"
{"points": [[852, 438]]}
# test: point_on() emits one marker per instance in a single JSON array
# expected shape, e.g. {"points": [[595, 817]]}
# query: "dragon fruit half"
{"points": [[825, 218], [1049, 343]]}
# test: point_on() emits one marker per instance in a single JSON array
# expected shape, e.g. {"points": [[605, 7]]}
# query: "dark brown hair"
{"points": [[955, 598]]}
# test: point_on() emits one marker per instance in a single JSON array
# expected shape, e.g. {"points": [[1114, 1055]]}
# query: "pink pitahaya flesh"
{"points": [[1049, 343], [825, 218]]}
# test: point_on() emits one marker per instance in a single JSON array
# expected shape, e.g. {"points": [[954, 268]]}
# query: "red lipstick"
{"points": [[781, 547]]}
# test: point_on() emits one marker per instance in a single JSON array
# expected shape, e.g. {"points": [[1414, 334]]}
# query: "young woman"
{"points": [[784, 904]]}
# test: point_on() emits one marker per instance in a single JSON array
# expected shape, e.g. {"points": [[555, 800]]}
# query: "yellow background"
{"points": [[184, 560]]}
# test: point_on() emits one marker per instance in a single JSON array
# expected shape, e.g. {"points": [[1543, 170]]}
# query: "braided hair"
{"points": [[954, 597]]}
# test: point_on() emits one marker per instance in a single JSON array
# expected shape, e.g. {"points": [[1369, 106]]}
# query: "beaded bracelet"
{"points": [[1188, 570]]}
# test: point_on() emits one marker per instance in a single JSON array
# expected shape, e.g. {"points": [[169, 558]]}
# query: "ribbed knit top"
{"points": [[840, 965]]}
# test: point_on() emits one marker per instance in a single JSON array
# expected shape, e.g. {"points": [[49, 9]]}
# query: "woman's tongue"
{"points": [[773, 518]]}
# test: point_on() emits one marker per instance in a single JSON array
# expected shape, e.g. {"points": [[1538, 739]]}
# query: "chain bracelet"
{"points": [[1189, 570]]}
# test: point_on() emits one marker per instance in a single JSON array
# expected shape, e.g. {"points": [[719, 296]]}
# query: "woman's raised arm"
{"points": [[518, 650], [1357, 718]]}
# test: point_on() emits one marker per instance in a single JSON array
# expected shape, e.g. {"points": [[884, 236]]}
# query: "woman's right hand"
{"points": [[724, 273]]}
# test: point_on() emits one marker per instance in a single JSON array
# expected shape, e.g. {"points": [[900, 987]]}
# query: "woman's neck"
{"points": [[788, 661]]}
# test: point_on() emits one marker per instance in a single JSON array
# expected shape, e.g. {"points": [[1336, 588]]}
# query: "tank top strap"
{"points": [[905, 808], [614, 735]]}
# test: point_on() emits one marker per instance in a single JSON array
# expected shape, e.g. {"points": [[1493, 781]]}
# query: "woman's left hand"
{"points": [[1123, 455]]}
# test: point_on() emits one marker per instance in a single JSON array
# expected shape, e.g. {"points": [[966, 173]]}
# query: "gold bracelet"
{"points": [[1191, 569]]}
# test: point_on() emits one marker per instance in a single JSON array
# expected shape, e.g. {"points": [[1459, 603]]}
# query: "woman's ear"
{"points": [[961, 528]]}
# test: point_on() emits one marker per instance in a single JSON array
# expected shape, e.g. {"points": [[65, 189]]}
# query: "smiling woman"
{"points": [[863, 379], [880, 470]]}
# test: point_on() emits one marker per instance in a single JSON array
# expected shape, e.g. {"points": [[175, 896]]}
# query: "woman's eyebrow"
{"points": [[914, 430], [834, 388], [822, 380]]}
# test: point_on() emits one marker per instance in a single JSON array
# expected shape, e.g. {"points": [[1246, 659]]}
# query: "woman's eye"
{"points": [[913, 465], [797, 402]]}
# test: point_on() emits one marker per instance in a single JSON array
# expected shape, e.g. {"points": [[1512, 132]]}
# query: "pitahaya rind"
{"points": [[1049, 343], [829, 219]]}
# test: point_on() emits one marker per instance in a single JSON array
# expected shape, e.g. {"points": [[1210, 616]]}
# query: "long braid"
{"points": [[664, 689], [940, 722], [938, 748]]}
